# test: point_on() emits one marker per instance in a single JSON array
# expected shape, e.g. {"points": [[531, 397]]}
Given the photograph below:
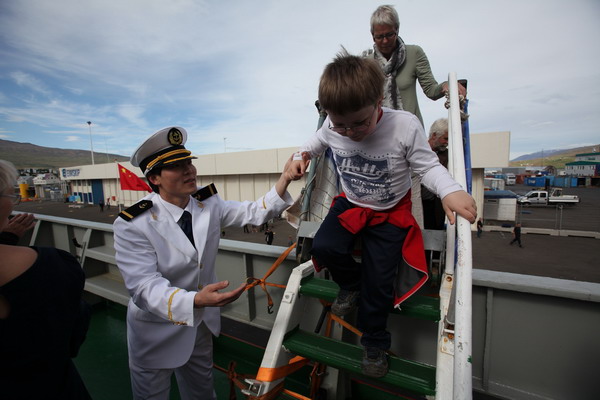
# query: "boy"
{"points": [[374, 149]]}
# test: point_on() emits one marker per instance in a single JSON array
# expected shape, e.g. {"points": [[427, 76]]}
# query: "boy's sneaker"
{"points": [[345, 302], [374, 362]]}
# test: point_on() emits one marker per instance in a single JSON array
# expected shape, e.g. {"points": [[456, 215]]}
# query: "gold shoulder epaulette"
{"points": [[135, 210], [205, 192]]}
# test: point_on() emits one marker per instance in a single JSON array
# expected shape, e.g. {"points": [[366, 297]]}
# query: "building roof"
{"points": [[583, 163], [588, 154], [499, 194]]}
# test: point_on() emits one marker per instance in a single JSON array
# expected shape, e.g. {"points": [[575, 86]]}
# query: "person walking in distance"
{"points": [[479, 227], [516, 235], [269, 236]]}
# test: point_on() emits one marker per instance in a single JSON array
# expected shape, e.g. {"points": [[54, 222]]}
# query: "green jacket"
{"points": [[416, 66]]}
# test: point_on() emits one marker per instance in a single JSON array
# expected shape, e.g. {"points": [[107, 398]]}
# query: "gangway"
{"points": [[290, 346]]}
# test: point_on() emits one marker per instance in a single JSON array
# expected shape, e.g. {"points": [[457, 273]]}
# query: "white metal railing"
{"points": [[463, 265]]}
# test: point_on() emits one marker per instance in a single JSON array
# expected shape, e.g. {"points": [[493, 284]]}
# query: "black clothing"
{"points": [[269, 236], [185, 222], [9, 238], [45, 326], [333, 246], [517, 233]]}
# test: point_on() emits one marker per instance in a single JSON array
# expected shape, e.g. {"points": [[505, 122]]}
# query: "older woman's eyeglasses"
{"points": [[16, 199], [389, 35], [360, 128]]}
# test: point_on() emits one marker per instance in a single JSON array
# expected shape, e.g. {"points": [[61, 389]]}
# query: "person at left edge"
{"points": [[175, 295]]}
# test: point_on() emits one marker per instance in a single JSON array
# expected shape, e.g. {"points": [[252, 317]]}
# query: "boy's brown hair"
{"points": [[350, 83]]}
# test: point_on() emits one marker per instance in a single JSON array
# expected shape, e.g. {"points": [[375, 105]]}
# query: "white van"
{"points": [[511, 179]]}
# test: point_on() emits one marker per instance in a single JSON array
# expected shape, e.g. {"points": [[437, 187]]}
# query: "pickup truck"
{"points": [[543, 197], [511, 179]]}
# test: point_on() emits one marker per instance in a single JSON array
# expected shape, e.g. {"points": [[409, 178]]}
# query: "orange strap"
{"points": [[234, 378], [295, 395], [316, 377], [252, 282], [345, 324], [272, 374]]}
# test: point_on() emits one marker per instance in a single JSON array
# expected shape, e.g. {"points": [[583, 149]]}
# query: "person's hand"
{"points": [[292, 171], [298, 164], [462, 203], [462, 91], [209, 296], [19, 224]]}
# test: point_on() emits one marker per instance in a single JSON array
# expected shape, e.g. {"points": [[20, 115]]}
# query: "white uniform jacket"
{"points": [[163, 272]]}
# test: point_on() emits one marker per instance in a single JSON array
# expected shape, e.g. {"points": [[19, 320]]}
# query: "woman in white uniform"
{"points": [[166, 246]]}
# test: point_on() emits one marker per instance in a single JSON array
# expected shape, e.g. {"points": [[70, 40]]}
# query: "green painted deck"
{"points": [[102, 360], [103, 364]]}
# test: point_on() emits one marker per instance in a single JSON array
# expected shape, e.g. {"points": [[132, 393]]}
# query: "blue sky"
{"points": [[243, 75]]}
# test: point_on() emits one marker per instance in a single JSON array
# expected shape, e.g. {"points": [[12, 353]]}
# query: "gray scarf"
{"points": [[391, 94]]}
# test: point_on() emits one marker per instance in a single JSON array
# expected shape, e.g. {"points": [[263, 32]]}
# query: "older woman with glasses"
{"points": [[41, 324], [402, 64]]}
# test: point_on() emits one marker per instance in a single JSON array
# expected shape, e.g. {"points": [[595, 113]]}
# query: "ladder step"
{"points": [[417, 306], [409, 375]]}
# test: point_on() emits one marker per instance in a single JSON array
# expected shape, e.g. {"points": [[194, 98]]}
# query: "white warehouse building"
{"points": [[248, 175]]}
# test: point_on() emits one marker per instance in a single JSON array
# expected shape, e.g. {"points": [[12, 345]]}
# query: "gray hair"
{"points": [[438, 128], [8, 176], [385, 15]]}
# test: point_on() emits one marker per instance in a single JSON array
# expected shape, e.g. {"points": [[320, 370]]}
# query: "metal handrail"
{"points": [[462, 382]]}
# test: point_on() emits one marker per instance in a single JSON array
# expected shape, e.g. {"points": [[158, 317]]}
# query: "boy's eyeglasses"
{"points": [[16, 198], [360, 128], [389, 35]]}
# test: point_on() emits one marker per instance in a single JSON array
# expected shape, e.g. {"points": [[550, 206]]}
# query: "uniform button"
{"points": [[200, 286], [200, 265]]}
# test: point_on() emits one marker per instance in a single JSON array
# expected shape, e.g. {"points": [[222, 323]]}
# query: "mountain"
{"points": [[539, 154], [27, 155], [556, 158]]}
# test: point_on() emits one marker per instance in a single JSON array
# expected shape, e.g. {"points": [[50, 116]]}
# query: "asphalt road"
{"points": [[572, 258]]}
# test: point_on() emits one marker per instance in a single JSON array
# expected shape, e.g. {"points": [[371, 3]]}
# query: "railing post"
{"points": [[463, 386]]}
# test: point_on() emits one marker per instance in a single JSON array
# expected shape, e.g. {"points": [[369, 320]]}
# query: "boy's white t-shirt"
{"points": [[375, 172]]}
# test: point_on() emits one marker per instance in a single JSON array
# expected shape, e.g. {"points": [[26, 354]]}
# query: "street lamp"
{"points": [[91, 144]]}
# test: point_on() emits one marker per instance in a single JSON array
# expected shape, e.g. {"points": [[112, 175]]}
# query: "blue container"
{"points": [[574, 181], [559, 181], [539, 181]]}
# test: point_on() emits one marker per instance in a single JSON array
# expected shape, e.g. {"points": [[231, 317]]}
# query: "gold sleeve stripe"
{"points": [[127, 214], [170, 314], [166, 155], [264, 204]]}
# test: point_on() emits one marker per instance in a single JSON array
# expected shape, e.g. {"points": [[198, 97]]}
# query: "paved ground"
{"points": [[557, 257]]}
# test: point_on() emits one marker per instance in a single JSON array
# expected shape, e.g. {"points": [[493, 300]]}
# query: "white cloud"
{"points": [[29, 82], [250, 73]]}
